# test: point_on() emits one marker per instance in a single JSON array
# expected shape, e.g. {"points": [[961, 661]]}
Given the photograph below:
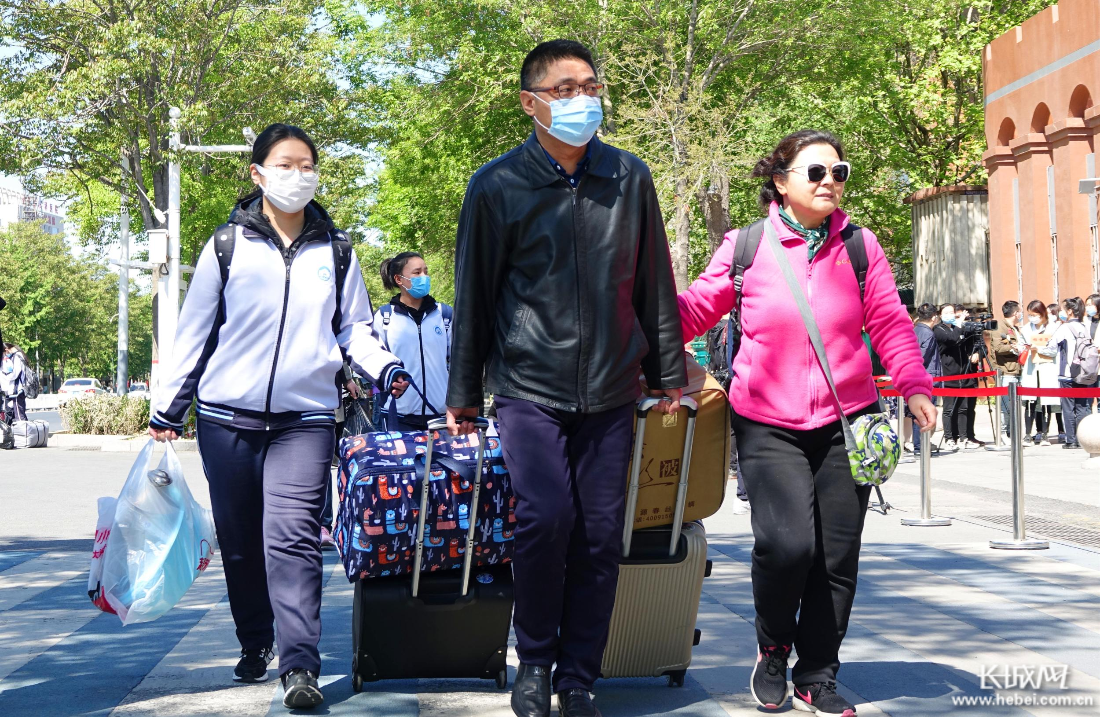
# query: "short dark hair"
{"points": [[547, 53], [945, 306], [1010, 308], [1053, 308], [926, 311], [1075, 306], [391, 268], [960, 307], [778, 163], [1093, 299]]}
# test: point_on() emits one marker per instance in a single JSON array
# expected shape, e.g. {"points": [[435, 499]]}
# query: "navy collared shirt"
{"points": [[582, 166]]}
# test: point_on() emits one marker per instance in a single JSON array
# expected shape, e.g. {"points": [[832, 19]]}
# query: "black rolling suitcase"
{"points": [[434, 624]]}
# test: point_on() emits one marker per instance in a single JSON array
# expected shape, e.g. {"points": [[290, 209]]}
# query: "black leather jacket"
{"points": [[561, 294]]}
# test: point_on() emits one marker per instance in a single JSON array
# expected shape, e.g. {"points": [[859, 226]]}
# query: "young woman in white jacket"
{"points": [[13, 372], [1062, 348], [276, 303], [417, 329]]}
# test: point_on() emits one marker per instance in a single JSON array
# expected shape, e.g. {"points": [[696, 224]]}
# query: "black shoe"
{"points": [[769, 677], [252, 666], [1071, 445], [576, 703], [301, 690], [821, 699], [531, 691]]}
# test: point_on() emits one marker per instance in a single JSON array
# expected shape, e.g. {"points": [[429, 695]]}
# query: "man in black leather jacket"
{"points": [[564, 294]]}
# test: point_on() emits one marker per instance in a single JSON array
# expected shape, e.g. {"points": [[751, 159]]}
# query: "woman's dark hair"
{"points": [[1053, 309], [1074, 306], [945, 306], [271, 136], [392, 268], [778, 163], [1094, 299], [1038, 307]]}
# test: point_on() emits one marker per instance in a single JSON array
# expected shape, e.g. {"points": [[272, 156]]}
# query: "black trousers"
{"points": [[958, 417], [569, 475], [807, 521], [266, 491]]}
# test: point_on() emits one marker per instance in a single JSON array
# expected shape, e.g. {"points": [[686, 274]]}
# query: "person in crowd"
{"points": [[1058, 317], [13, 373], [927, 316], [1062, 347], [328, 510], [1008, 351], [1038, 371], [958, 357], [1092, 314], [564, 294], [261, 352], [808, 512], [416, 329]]}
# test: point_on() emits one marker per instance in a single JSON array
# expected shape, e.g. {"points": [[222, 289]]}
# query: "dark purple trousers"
{"points": [[569, 475], [266, 491]]}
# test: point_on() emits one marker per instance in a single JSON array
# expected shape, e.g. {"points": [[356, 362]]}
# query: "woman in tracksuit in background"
{"points": [[807, 511], [13, 379], [260, 351], [416, 329]]}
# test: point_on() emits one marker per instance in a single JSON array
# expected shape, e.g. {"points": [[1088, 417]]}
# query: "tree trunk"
{"points": [[681, 224], [715, 201]]}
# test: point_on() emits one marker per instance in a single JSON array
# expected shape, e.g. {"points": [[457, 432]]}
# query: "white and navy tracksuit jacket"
{"points": [[260, 352], [424, 348]]}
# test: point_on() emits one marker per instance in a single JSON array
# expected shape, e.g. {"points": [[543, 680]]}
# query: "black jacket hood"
{"points": [[249, 213]]}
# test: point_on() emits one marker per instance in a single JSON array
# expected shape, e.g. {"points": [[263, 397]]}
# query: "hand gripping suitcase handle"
{"points": [[440, 424], [643, 408]]}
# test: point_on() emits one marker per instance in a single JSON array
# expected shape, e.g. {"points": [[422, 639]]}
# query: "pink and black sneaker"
{"points": [[769, 677], [821, 699]]}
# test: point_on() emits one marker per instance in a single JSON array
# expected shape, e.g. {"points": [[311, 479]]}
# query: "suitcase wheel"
{"points": [[356, 682], [502, 679], [676, 679]]}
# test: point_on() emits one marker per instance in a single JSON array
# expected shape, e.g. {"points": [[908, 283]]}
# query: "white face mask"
{"points": [[289, 191]]}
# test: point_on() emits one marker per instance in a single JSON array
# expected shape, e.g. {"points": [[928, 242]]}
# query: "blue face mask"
{"points": [[575, 120], [419, 286], [1090, 310], [1062, 316]]}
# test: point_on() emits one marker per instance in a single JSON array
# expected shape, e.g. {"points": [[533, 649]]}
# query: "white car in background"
{"points": [[139, 389], [80, 387]]}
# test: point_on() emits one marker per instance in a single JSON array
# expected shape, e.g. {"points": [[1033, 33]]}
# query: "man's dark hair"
{"points": [[1010, 308], [926, 312], [946, 306], [547, 53]]}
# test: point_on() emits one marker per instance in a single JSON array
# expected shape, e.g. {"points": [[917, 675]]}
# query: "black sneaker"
{"points": [[769, 677], [252, 666], [821, 699], [301, 690]]}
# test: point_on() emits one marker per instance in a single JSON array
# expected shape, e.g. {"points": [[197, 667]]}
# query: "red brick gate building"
{"points": [[1042, 128]]}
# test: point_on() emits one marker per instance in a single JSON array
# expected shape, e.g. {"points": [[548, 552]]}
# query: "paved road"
{"points": [[935, 607], [53, 417]]}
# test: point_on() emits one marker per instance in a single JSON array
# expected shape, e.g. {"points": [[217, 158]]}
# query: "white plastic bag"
{"points": [[95, 571], [160, 540]]}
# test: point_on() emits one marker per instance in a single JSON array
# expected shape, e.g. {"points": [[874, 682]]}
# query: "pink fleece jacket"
{"points": [[778, 378]]}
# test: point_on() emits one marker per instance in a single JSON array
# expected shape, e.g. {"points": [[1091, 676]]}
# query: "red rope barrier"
{"points": [[971, 392], [963, 377], [1059, 392]]}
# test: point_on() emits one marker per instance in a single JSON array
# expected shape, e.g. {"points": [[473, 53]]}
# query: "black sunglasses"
{"points": [[816, 172]]}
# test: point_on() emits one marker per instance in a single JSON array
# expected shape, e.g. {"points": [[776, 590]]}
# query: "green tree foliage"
{"points": [[62, 311], [700, 90]]}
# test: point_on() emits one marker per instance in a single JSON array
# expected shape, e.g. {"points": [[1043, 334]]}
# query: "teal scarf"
{"points": [[815, 238]]}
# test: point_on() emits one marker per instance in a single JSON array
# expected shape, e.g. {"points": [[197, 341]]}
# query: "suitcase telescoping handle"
{"points": [[645, 405], [440, 424]]}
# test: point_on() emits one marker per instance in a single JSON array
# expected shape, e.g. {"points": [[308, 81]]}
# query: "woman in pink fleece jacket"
{"points": [[807, 512]]}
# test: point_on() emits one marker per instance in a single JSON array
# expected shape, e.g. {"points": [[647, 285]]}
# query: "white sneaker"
{"points": [[740, 507], [950, 446]]}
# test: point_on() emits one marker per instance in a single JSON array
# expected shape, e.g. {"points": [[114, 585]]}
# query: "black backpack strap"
{"points": [[341, 259], [225, 240], [857, 252], [748, 241]]}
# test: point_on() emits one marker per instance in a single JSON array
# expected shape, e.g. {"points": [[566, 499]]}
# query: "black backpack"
{"points": [[748, 241]]}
